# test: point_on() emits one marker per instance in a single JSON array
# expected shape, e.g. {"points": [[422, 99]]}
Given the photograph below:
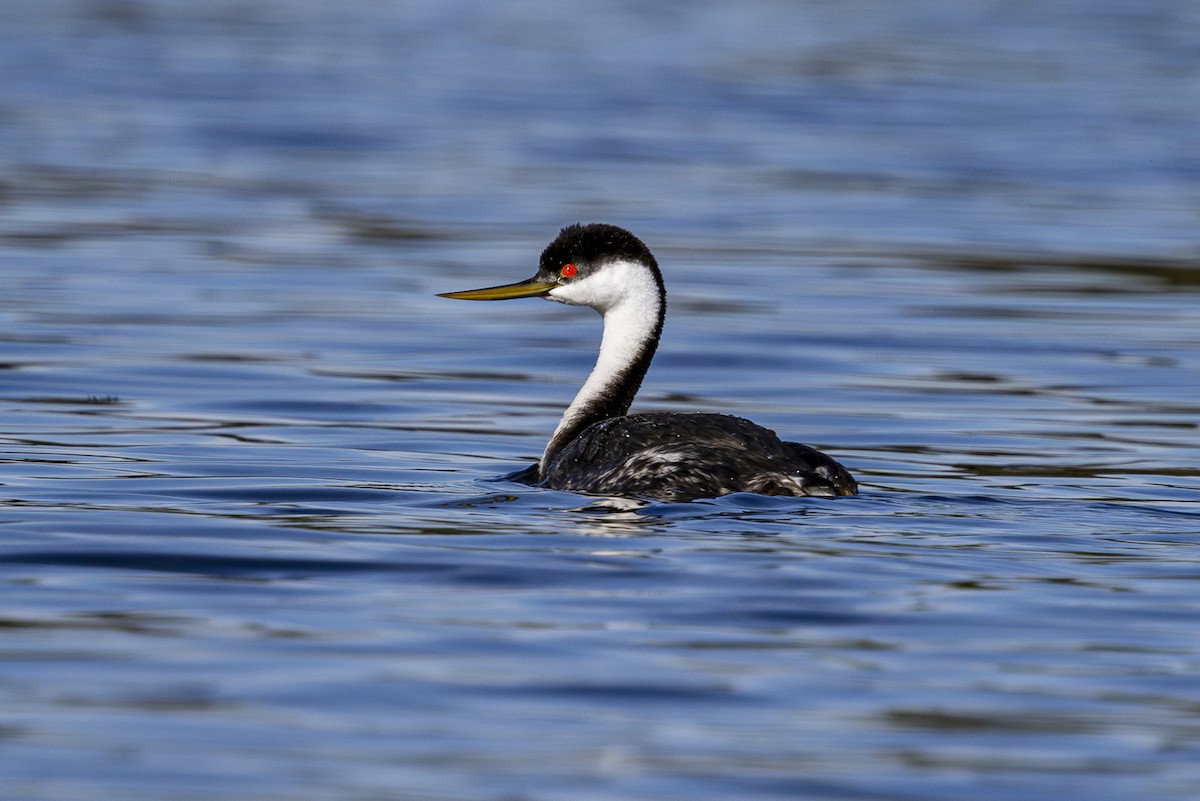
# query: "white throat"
{"points": [[627, 296]]}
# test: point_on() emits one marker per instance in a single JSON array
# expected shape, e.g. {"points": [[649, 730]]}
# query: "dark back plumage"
{"points": [[680, 457]]}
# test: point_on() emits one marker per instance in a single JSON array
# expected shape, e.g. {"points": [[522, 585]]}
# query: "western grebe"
{"points": [[672, 456]]}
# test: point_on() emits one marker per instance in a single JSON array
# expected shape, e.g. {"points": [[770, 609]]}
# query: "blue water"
{"points": [[254, 540]]}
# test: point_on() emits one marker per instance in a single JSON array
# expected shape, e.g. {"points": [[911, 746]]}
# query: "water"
{"points": [[254, 544]]}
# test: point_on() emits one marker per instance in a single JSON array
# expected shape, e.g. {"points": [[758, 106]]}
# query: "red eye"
{"points": [[568, 271]]}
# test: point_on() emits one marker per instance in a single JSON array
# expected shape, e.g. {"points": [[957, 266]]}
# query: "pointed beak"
{"points": [[533, 288]]}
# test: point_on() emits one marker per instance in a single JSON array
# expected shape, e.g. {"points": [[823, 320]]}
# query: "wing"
{"points": [[679, 457]]}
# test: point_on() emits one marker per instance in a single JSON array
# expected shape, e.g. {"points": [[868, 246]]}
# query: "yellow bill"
{"points": [[522, 289]]}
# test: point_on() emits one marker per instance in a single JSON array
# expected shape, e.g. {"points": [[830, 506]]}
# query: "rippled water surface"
{"points": [[254, 540]]}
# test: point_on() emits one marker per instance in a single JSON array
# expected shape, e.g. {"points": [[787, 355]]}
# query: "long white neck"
{"points": [[633, 304]]}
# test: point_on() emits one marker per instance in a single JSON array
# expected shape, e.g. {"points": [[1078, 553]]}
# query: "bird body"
{"points": [[680, 456], [598, 447]]}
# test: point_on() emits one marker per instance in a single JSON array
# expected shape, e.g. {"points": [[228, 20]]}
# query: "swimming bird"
{"points": [[598, 447]]}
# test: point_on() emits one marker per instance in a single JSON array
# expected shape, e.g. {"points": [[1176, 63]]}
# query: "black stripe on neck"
{"points": [[615, 399]]}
